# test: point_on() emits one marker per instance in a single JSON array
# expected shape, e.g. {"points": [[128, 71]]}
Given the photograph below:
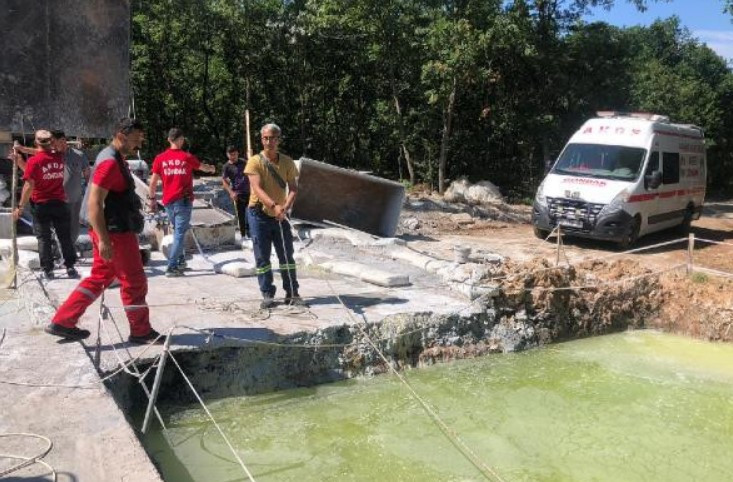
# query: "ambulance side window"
{"points": [[653, 163], [670, 167]]}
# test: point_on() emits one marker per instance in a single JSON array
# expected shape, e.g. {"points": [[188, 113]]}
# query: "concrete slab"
{"points": [[93, 440]]}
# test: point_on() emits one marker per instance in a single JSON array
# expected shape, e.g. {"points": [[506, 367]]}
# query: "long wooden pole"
{"points": [[13, 225], [246, 133], [246, 119]]}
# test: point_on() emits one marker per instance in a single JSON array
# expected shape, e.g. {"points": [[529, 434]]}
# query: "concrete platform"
{"points": [[92, 438]]}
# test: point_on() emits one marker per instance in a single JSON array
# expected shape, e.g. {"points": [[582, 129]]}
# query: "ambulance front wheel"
{"points": [[632, 234]]}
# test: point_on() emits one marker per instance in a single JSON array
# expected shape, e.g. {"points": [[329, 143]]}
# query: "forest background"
{"points": [[422, 91]]}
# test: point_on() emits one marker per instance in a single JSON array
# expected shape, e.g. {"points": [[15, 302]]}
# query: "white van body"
{"points": [[606, 182]]}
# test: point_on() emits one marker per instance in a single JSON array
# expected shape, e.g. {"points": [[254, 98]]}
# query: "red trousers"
{"points": [[125, 265]]}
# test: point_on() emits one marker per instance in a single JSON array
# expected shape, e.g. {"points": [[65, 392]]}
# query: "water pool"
{"points": [[633, 406]]}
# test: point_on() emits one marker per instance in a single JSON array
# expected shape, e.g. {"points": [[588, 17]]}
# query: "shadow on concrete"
{"points": [[356, 303], [219, 334], [417, 237], [195, 339]]}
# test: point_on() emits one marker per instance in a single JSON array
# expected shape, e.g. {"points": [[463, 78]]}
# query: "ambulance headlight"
{"points": [[616, 205], [540, 197]]}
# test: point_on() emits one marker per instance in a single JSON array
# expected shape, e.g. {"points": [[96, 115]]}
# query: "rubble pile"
{"points": [[464, 207]]}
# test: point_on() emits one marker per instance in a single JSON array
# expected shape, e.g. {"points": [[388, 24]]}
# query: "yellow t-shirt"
{"points": [[285, 168]]}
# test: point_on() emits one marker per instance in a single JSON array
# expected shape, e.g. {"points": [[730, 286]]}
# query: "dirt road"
{"points": [[440, 231], [700, 305]]}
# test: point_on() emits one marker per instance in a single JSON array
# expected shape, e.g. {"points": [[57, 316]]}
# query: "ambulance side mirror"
{"points": [[654, 180]]}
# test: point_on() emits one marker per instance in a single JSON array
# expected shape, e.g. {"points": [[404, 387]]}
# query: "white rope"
{"points": [[597, 285], [597, 258], [211, 417], [712, 241], [713, 271], [250, 341], [27, 461], [452, 436], [137, 374], [86, 386]]}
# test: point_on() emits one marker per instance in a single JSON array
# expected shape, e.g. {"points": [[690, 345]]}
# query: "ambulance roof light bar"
{"points": [[635, 115]]}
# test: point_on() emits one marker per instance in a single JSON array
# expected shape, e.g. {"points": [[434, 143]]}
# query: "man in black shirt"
{"points": [[236, 183]]}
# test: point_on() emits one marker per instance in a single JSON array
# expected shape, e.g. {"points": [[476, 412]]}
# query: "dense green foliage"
{"points": [[422, 90]]}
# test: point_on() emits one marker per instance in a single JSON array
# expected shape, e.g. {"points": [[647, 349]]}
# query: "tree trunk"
{"points": [[447, 119], [403, 144]]}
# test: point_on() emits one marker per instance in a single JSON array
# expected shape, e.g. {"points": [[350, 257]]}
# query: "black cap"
{"points": [[57, 134]]}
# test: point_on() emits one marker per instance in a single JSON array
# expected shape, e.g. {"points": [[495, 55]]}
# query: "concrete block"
{"points": [[236, 269], [412, 257], [210, 237], [366, 273], [462, 218], [6, 225], [348, 198], [26, 243], [29, 259], [6, 274]]}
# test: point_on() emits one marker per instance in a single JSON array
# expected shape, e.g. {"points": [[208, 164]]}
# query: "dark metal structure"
{"points": [[64, 64], [328, 193]]}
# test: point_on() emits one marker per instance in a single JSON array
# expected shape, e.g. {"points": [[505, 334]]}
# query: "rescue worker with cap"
{"points": [[44, 187], [273, 183], [115, 215]]}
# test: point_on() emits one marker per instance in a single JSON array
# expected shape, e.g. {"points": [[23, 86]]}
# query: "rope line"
{"points": [[452, 436], [211, 417], [713, 242], [27, 461]]}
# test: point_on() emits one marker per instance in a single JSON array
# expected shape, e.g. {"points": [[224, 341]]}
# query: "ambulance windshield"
{"points": [[602, 161]]}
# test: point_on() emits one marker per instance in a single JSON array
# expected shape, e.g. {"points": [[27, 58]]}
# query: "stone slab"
{"points": [[366, 273]]}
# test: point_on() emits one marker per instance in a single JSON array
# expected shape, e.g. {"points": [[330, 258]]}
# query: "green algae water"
{"points": [[637, 406]]}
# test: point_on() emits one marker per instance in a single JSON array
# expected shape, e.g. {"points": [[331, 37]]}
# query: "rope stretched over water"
{"points": [[211, 417]]}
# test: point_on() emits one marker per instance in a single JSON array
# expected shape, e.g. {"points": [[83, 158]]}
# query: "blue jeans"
{"points": [[179, 217], [266, 232]]}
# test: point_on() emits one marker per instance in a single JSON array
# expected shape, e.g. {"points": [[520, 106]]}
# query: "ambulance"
{"points": [[621, 176]]}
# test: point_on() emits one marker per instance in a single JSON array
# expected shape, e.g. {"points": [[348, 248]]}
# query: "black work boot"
{"points": [[268, 301], [294, 299], [66, 333], [153, 337]]}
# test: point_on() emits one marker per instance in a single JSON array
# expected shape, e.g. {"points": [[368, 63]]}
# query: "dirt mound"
{"points": [[697, 305], [590, 298], [431, 215]]}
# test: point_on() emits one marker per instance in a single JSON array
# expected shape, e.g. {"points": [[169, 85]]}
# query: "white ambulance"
{"points": [[622, 176]]}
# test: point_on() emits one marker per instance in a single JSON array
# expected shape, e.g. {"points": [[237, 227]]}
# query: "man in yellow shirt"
{"points": [[272, 179]]}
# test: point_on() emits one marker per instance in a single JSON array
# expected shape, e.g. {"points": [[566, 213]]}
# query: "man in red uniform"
{"points": [[44, 186], [115, 218], [175, 167]]}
